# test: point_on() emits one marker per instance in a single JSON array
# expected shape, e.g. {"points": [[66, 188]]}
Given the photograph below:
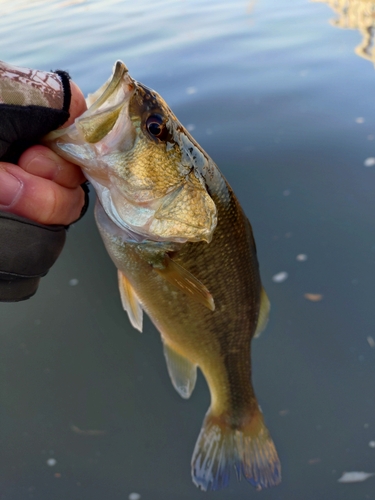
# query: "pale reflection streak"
{"points": [[359, 15], [11, 6]]}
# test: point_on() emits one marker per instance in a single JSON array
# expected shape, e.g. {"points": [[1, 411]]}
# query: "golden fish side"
{"points": [[185, 255]]}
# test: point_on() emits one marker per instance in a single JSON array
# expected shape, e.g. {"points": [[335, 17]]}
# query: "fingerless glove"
{"points": [[32, 103]]}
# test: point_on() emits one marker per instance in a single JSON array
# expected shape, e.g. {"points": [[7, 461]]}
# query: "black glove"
{"points": [[28, 249]]}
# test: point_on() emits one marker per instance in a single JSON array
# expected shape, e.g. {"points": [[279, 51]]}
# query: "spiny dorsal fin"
{"points": [[264, 311], [186, 282], [130, 301], [183, 372]]}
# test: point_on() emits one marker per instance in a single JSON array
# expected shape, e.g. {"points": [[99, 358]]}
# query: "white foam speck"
{"points": [[190, 127], [301, 257], [51, 462], [369, 162], [372, 444], [360, 119], [355, 477], [191, 90], [73, 282], [134, 496], [280, 277]]}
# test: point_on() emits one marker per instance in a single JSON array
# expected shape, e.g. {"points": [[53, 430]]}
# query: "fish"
{"points": [[186, 256]]}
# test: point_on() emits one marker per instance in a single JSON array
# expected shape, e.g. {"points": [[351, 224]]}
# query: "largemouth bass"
{"points": [[185, 255]]}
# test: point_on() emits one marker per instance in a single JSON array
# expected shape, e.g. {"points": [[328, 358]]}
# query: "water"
{"points": [[278, 97]]}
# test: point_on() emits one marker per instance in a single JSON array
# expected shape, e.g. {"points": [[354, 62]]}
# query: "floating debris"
{"points": [[371, 341], [88, 432], [360, 119], [284, 413], [355, 477], [51, 462], [314, 297], [372, 444], [280, 277], [314, 461], [57, 475], [134, 496], [369, 162], [73, 282], [191, 90], [301, 257]]}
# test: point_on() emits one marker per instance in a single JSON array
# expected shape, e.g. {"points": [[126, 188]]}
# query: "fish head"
{"points": [[148, 172]]}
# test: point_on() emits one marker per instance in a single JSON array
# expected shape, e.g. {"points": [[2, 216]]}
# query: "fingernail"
{"points": [[10, 186], [42, 166]]}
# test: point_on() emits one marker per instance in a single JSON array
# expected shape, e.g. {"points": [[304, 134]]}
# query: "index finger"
{"points": [[43, 162]]}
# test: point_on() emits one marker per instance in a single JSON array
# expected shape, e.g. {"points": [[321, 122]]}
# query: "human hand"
{"points": [[44, 187]]}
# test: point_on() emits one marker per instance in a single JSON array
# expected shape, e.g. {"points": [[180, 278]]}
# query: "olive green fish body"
{"points": [[186, 256]]}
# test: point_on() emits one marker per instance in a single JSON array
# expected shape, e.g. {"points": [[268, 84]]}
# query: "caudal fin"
{"points": [[249, 451]]}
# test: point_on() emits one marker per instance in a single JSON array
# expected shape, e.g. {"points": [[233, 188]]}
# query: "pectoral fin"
{"points": [[186, 282], [130, 301], [264, 311], [183, 373]]}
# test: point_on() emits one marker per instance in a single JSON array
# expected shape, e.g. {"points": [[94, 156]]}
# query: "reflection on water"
{"points": [[359, 15], [21, 5]]}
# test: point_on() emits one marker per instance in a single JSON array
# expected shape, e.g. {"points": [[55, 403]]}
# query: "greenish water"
{"points": [[279, 99]]}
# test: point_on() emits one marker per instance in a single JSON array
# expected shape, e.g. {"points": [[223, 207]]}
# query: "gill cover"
{"points": [[151, 187]]}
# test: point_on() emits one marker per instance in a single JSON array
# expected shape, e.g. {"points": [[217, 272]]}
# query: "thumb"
{"points": [[77, 104]]}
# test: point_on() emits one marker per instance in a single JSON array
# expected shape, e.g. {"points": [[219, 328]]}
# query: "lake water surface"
{"points": [[285, 105]]}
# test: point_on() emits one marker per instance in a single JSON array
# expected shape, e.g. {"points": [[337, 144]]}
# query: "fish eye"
{"points": [[155, 125]]}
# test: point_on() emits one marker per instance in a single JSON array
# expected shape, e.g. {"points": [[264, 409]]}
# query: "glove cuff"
{"points": [[17, 289], [30, 250], [65, 77]]}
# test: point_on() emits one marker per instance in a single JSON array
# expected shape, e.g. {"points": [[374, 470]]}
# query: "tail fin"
{"points": [[249, 450]]}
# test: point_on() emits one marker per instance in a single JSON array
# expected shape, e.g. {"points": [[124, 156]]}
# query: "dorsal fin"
{"points": [[130, 301], [181, 278], [183, 372], [264, 311]]}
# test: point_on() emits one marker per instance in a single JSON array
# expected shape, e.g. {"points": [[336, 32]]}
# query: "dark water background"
{"points": [[279, 99]]}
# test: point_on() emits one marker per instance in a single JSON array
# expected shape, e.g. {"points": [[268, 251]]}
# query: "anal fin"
{"points": [[130, 301], [183, 372], [264, 312], [181, 278]]}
